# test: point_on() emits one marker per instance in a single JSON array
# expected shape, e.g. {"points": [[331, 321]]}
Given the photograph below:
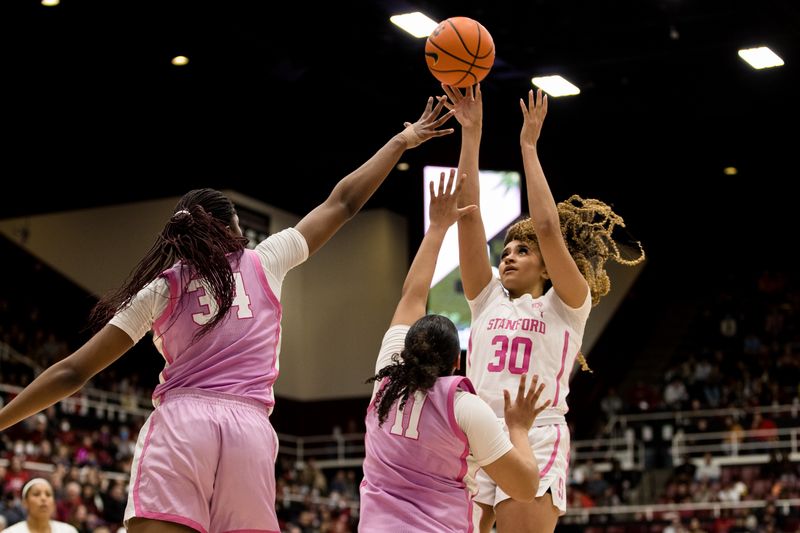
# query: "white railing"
{"points": [[7, 353], [347, 450], [626, 420], [751, 446], [47, 468], [648, 512], [626, 450], [133, 404], [105, 404], [329, 451]]}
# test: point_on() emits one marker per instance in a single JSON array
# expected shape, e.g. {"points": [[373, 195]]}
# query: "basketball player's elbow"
{"points": [[348, 208], [74, 376], [345, 202], [65, 378]]}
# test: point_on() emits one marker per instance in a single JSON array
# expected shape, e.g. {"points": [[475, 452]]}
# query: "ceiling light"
{"points": [[730, 171], [403, 166], [555, 86], [50, 3], [180, 61], [415, 23], [761, 57]]}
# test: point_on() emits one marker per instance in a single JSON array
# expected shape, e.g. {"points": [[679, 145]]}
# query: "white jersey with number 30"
{"points": [[524, 336]]}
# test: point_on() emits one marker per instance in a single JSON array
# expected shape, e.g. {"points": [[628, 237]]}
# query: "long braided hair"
{"points": [[198, 234], [587, 226], [430, 351]]}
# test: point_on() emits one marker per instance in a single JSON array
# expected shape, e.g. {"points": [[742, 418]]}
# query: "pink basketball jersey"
{"points": [[240, 355], [415, 465]]}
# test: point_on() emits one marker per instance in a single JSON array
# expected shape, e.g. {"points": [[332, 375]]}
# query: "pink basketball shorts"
{"points": [[206, 460]]}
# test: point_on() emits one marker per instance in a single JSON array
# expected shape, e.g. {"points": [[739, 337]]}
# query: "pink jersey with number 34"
{"points": [[240, 355]]}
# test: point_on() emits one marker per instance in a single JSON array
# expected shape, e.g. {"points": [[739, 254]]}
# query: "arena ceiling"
{"points": [[281, 99]]}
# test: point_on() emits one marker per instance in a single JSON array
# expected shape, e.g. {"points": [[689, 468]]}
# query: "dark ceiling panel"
{"points": [[280, 102]]}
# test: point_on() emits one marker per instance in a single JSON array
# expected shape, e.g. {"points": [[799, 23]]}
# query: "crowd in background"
{"points": [[742, 352]]}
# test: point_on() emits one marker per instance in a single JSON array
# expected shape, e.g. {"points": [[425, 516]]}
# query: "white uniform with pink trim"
{"points": [[527, 336]]}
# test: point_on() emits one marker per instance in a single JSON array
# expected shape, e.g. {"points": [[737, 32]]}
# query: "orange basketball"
{"points": [[459, 52]]}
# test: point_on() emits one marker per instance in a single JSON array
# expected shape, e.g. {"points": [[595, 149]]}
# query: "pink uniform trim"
{"points": [[563, 362], [211, 396], [252, 531], [166, 517], [552, 460], [451, 401], [136, 498]]}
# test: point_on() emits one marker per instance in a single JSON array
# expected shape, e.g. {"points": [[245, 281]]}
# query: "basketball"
{"points": [[459, 52]]}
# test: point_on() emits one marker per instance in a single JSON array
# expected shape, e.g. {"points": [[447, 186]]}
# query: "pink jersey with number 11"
{"points": [[416, 464]]}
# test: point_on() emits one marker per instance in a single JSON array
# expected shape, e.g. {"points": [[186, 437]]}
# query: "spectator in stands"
{"points": [[694, 526], [684, 472], [214, 309], [765, 426], [16, 476], [708, 470], [81, 519], [44, 453], [644, 397], [313, 477], [611, 404], [422, 421], [37, 497], [675, 526], [734, 435], [596, 486], [675, 395], [11, 508], [71, 500], [114, 502], [621, 480]]}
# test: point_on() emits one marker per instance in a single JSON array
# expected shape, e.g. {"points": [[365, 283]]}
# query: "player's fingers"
{"points": [[428, 107], [542, 407], [532, 388], [521, 388], [439, 104], [451, 94], [444, 118], [450, 181]]}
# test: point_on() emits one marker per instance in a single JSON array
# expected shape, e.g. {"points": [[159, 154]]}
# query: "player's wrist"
{"points": [[410, 137]]}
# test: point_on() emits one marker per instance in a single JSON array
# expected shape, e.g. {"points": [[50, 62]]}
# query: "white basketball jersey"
{"points": [[524, 336]]}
